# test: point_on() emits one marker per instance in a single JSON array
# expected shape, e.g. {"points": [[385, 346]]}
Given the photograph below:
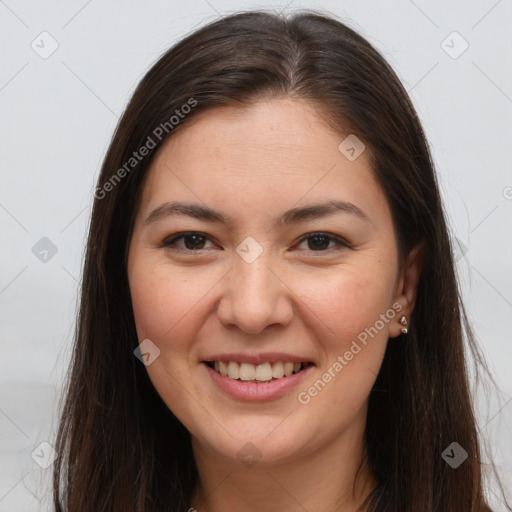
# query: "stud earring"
{"points": [[404, 321]]}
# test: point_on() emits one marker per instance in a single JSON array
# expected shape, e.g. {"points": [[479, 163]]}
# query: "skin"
{"points": [[252, 164]]}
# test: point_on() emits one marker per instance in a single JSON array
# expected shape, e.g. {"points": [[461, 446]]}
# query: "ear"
{"points": [[406, 287]]}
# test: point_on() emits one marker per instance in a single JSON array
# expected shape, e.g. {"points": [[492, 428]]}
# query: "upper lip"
{"points": [[266, 357]]}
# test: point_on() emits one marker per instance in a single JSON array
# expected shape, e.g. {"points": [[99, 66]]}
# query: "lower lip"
{"points": [[257, 391]]}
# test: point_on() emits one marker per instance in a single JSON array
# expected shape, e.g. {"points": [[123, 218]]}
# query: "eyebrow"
{"points": [[293, 216]]}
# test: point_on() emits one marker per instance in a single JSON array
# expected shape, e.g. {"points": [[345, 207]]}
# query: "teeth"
{"points": [[247, 371], [277, 370], [262, 372], [233, 370]]}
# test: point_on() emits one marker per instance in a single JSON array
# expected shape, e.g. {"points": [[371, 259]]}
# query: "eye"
{"points": [[195, 241], [320, 241]]}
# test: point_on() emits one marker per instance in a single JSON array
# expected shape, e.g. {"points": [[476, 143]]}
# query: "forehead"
{"points": [[283, 129], [271, 154]]}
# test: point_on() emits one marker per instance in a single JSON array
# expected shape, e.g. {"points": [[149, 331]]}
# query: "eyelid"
{"points": [[167, 242], [341, 242], [335, 238]]}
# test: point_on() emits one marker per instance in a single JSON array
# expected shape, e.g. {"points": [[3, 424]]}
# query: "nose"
{"points": [[255, 295]]}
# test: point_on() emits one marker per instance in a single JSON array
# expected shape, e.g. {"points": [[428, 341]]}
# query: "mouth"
{"points": [[260, 373]]}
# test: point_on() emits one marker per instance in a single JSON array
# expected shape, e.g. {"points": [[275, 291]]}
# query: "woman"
{"points": [[269, 317]]}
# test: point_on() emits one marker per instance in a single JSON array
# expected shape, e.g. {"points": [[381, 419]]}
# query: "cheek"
{"points": [[352, 305], [349, 302], [162, 299], [166, 305]]}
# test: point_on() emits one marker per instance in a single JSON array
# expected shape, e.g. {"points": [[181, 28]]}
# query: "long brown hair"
{"points": [[119, 446]]}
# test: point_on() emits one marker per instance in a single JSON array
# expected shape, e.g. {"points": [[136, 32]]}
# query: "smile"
{"points": [[264, 372], [250, 382]]}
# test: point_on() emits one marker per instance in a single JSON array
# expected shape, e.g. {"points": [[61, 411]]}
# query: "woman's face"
{"points": [[257, 293]]}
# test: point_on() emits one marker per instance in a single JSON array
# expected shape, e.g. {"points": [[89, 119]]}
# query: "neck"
{"points": [[323, 480]]}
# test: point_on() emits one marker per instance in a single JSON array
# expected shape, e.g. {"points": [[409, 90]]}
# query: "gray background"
{"points": [[58, 114]]}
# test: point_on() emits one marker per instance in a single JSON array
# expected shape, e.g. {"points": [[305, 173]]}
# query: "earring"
{"points": [[404, 321]]}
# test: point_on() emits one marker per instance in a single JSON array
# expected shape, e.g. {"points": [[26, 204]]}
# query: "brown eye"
{"points": [[191, 241], [195, 242], [319, 242]]}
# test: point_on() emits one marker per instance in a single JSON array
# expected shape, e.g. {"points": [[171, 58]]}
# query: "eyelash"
{"points": [[170, 243]]}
